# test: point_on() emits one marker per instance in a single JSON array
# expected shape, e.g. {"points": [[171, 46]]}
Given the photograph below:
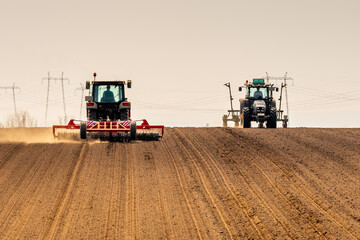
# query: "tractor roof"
{"points": [[258, 82], [258, 85], [105, 82]]}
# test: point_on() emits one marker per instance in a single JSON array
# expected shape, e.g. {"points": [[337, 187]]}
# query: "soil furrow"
{"points": [[241, 203], [183, 187], [206, 186], [295, 184], [258, 187], [66, 194]]}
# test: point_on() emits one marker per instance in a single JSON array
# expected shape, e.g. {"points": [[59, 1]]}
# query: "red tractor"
{"points": [[109, 115]]}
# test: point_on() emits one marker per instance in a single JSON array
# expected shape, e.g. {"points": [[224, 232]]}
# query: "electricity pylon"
{"points": [[48, 78], [62, 79], [284, 84], [13, 87]]}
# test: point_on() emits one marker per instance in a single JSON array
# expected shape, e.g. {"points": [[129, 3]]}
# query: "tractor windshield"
{"points": [[258, 92], [108, 93]]}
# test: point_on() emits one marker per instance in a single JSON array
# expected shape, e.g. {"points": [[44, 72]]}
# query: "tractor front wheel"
{"points": [[246, 118], [271, 122]]}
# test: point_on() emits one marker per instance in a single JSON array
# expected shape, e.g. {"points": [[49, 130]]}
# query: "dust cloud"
{"points": [[31, 135]]}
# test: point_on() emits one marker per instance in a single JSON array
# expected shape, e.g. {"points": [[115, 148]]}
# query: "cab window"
{"points": [[258, 92], [108, 93]]}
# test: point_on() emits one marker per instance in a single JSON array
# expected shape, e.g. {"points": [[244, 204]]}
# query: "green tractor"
{"points": [[258, 105]]}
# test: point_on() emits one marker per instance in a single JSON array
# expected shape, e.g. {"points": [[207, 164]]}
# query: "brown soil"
{"points": [[195, 183]]}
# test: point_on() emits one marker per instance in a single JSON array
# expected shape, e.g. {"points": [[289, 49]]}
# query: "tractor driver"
{"points": [[108, 96], [258, 94]]}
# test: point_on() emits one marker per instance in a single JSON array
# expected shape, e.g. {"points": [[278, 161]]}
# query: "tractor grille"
{"points": [[260, 109]]}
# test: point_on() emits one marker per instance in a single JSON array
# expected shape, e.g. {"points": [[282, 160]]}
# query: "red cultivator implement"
{"points": [[110, 130]]}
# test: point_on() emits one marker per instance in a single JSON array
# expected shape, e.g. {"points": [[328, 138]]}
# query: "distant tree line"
{"points": [[20, 119]]}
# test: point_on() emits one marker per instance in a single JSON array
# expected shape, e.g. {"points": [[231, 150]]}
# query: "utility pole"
{"points": [[280, 112], [13, 87], [82, 88], [47, 96], [62, 79]]}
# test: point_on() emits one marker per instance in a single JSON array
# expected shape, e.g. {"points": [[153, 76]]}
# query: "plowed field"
{"points": [[195, 183]]}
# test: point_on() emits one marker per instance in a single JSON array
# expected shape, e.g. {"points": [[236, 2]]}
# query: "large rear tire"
{"points": [[246, 118], [271, 122], [133, 131], [83, 130]]}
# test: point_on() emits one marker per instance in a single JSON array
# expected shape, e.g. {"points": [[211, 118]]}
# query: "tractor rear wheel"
{"points": [[246, 118], [83, 130], [271, 122], [133, 131]]}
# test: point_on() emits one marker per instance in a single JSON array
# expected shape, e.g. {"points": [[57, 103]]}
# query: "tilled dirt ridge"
{"points": [[195, 183]]}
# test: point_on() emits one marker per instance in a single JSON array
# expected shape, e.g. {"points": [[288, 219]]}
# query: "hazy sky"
{"points": [[180, 53]]}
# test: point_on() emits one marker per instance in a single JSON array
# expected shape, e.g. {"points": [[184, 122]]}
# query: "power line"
{"points": [[284, 85], [177, 108], [47, 95], [13, 87], [326, 99], [62, 79]]}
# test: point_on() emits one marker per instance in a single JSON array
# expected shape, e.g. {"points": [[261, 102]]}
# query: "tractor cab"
{"points": [[258, 93], [107, 100], [258, 89]]}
